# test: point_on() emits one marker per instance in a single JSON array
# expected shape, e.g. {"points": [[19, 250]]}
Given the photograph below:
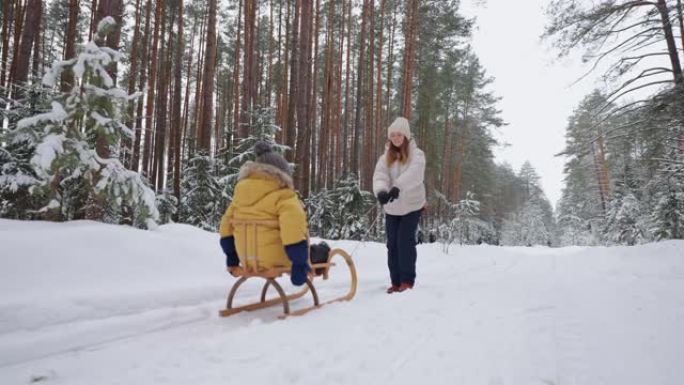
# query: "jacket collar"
{"points": [[251, 168]]}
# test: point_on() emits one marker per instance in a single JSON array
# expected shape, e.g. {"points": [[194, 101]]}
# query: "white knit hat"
{"points": [[400, 125]]}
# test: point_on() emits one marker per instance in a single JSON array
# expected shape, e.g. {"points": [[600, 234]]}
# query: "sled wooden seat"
{"points": [[251, 268]]}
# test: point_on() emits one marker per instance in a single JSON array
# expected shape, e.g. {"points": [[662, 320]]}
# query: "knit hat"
{"points": [[264, 154], [400, 125]]}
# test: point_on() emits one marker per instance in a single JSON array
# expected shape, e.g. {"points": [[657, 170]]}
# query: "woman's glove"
{"points": [[393, 193], [383, 197]]}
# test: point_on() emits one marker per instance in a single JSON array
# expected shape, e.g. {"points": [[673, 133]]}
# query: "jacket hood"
{"points": [[257, 180]]}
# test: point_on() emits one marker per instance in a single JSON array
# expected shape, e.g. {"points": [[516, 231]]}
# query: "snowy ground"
{"points": [[86, 303]]}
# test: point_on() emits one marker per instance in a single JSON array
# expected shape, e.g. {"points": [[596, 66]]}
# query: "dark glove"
{"points": [[228, 246], [393, 193], [298, 274], [298, 254], [383, 197]]}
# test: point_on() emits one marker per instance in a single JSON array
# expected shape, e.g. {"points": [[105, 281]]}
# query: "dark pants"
{"points": [[401, 246]]}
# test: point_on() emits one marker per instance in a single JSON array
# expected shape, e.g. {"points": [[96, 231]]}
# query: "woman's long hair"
{"points": [[400, 153]]}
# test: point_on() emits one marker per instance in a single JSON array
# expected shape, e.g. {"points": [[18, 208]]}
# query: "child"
{"points": [[265, 191]]}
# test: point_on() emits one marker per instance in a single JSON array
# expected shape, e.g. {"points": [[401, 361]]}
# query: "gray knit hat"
{"points": [[264, 154]]}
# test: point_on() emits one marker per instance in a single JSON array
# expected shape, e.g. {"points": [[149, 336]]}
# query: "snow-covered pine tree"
{"points": [[574, 231], [16, 172], [526, 227], [465, 225], [341, 212], [167, 204], [66, 160], [263, 128], [16, 178], [533, 229], [511, 231], [202, 201], [623, 221], [668, 214]]}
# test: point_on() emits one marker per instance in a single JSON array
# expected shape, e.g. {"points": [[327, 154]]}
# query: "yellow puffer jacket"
{"points": [[264, 192]]}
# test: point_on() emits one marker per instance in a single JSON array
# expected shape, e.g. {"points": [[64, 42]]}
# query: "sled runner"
{"points": [[250, 268]]}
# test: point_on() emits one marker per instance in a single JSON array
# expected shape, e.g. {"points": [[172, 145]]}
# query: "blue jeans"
{"points": [[401, 246]]}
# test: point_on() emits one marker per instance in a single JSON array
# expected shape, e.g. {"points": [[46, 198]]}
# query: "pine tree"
{"points": [[341, 212], [65, 159], [668, 214]]}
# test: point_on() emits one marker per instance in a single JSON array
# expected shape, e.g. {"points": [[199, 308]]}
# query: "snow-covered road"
{"points": [[87, 303]]}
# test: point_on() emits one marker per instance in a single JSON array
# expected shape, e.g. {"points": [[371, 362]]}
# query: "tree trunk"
{"points": [[19, 12], [236, 76], [359, 91], [115, 9], [604, 181], [135, 160], [290, 136], [304, 89], [379, 127], [184, 135], [337, 132], [680, 18], [176, 121], [390, 67], [445, 157], [149, 112], [70, 43], [158, 170], [249, 69], [6, 11], [269, 71], [326, 121], [199, 82], [313, 141], [28, 36], [282, 61], [208, 81], [132, 74], [671, 44], [369, 131], [345, 134], [460, 158], [93, 25], [36, 61], [409, 57]]}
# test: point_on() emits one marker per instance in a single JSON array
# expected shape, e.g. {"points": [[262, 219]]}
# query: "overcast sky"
{"points": [[537, 91]]}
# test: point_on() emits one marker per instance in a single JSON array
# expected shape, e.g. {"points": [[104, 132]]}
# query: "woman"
{"points": [[265, 191], [398, 186]]}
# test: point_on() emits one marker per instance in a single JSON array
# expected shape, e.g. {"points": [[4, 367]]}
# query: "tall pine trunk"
{"points": [[290, 129], [135, 160], [149, 112], [355, 153], [176, 120], [70, 43], [208, 81], [304, 89], [409, 57], [31, 30], [671, 43], [132, 75], [6, 11]]}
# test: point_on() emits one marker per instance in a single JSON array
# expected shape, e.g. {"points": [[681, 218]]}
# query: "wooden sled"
{"points": [[250, 268]]}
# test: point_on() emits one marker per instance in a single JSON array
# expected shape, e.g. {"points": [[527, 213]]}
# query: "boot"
{"points": [[404, 286], [392, 289]]}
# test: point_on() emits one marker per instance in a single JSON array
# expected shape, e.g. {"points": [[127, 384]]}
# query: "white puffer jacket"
{"points": [[408, 178]]}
